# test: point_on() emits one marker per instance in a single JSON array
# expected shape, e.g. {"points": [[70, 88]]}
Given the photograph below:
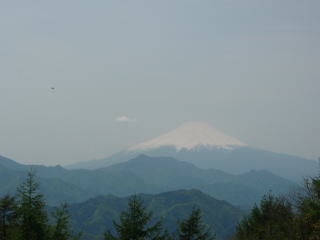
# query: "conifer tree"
{"points": [[274, 219], [60, 230], [32, 216], [135, 223], [8, 217], [192, 228], [60, 227], [309, 210]]}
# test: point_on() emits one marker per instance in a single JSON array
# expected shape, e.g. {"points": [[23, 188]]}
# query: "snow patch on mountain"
{"points": [[190, 136]]}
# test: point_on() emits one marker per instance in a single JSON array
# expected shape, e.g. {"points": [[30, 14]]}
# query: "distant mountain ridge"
{"points": [[206, 147], [145, 174]]}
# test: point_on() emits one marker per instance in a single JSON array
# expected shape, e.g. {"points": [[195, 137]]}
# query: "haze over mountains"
{"points": [[194, 164], [206, 147], [92, 95]]}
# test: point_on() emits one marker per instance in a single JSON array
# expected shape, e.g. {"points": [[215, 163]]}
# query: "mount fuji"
{"points": [[206, 147], [191, 136]]}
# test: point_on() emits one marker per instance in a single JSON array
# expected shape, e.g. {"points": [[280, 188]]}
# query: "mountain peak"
{"points": [[191, 135]]}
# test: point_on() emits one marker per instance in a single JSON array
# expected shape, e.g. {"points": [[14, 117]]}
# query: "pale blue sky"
{"points": [[249, 67]]}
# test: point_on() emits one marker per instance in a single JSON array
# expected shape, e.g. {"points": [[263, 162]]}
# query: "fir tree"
{"points": [[31, 213], [274, 219], [135, 224], [192, 228], [8, 217], [60, 230], [308, 206]]}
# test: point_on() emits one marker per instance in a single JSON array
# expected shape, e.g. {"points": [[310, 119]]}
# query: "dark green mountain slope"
{"points": [[95, 216]]}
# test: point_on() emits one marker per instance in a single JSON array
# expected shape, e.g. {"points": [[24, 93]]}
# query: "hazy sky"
{"points": [[127, 71]]}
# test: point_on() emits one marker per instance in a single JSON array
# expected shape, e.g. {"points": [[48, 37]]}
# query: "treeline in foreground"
{"points": [[24, 217], [278, 218]]}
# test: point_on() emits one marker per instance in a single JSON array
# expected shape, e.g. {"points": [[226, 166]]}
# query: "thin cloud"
{"points": [[125, 119]]}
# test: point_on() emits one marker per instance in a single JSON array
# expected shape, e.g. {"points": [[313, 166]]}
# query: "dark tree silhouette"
{"points": [[32, 215], [308, 206], [135, 223], [272, 220], [60, 229], [8, 216], [192, 228]]}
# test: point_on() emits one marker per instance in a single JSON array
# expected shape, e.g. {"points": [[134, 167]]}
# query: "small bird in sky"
{"points": [[52, 88]]}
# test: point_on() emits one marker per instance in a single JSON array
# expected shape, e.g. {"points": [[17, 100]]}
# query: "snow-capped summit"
{"points": [[191, 135], [205, 147]]}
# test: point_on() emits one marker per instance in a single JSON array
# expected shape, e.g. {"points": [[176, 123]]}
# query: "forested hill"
{"points": [[95, 216]]}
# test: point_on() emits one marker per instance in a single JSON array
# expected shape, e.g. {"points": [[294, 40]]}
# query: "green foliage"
{"points": [[23, 217], [93, 217], [135, 223], [272, 220], [193, 229], [32, 216], [60, 230], [275, 218], [8, 217], [309, 211]]}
